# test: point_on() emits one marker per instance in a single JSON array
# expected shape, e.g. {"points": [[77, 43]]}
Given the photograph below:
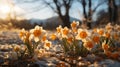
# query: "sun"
{"points": [[5, 9], [9, 9]]}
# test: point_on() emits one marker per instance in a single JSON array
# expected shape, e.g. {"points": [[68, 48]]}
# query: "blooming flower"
{"points": [[88, 44], [47, 45], [53, 36], [96, 38], [100, 32], [59, 29], [44, 38], [107, 35], [37, 32], [94, 30], [65, 32], [22, 34], [108, 27], [69, 39], [74, 24], [82, 34]]}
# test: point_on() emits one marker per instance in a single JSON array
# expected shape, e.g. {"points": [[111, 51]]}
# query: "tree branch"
{"points": [[99, 5], [58, 7], [49, 4]]}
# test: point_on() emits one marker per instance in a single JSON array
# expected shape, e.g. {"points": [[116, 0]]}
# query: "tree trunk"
{"points": [[110, 10], [115, 12], [89, 20], [84, 21], [84, 9], [66, 21], [65, 18]]}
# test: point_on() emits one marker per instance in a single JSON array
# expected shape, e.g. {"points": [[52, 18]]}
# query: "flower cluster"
{"points": [[75, 41], [107, 40], [34, 39]]}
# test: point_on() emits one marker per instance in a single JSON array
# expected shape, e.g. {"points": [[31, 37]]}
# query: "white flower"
{"points": [[47, 44]]}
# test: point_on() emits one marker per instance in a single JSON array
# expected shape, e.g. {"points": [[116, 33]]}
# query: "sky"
{"points": [[7, 6], [31, 10]]}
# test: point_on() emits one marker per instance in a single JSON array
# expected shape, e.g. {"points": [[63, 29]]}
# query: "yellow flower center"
{"points": [[89, 44], [83, 34], [65, 31], [101, 32], [53, 36], [37, 33], [105, 46], [44, 38], [74, 25], [107, 35], [21, 34], [96, 39], [94, 30], [48, 45], [58, 29], [69, 39]]}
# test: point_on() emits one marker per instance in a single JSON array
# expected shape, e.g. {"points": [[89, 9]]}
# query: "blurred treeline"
{"points": [[109, 15]]}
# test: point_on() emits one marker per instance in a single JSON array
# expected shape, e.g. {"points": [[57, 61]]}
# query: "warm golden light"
{"points": [[9, 10], [5, 9]]}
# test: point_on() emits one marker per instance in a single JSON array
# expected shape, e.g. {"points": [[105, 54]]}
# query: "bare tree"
{"points": [[112, 15], [84, 9], [113, 10], [89, 14], [103, 17], [58, 6]]}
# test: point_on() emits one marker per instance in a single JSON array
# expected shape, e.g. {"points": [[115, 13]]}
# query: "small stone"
{"points": [[79, 58], [1, 60], [41, 63]]}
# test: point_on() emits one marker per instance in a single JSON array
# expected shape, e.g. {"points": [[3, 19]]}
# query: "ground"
{"points": [[10, 37]]}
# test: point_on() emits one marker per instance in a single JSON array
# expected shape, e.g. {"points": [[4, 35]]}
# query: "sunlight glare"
{"points": [[5, 9]]}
